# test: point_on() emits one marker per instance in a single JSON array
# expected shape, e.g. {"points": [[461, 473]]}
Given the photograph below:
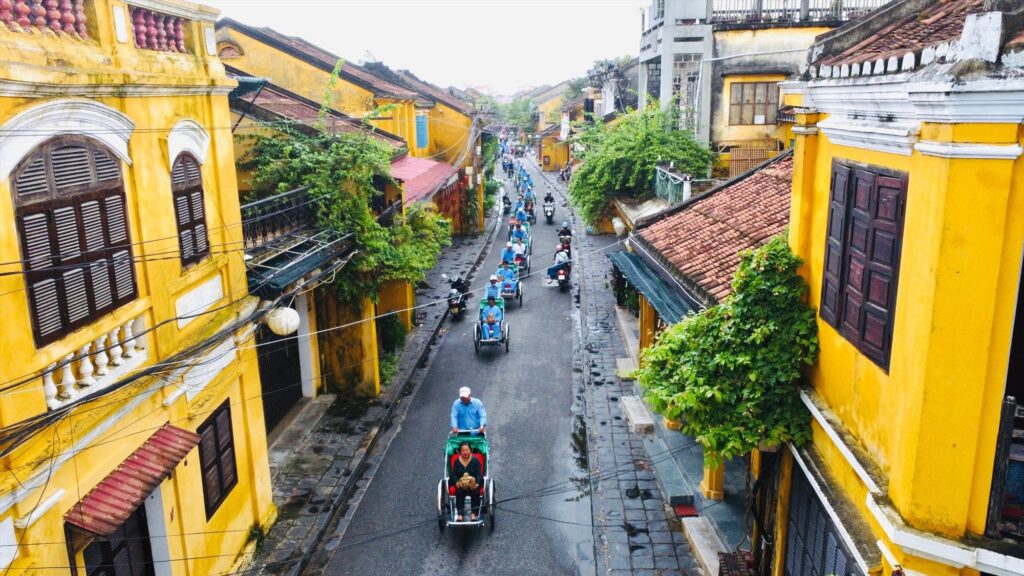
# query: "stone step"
{"points": [[625, 368], [629, 327], [637, 415], [704, 542], [674, 487]]}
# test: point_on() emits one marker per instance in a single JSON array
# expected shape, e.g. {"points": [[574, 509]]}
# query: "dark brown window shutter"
{"points": [[217, 457], [187, 186], [74, 235], [833, 270], [858, 230]]}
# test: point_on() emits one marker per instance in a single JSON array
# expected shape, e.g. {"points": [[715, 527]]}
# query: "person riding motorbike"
{"points": [[565, 230], [508, 255], [561, 261], [548, 197]]}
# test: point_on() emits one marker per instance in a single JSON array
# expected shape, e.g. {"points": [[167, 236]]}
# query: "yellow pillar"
{"points": [[370, 382], [782, 513], [803, 199], [648, 324], [713, 484]]}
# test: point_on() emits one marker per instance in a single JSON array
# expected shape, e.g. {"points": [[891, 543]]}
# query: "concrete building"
{"points": [[718, 63]]}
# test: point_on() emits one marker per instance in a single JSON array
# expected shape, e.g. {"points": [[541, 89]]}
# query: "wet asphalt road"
{"points": [[529, 399]]}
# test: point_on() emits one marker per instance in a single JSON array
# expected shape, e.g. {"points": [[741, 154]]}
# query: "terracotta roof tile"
{"points": [[702, 240], [940, 22]]}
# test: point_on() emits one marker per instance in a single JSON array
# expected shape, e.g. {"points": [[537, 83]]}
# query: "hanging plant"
{"points": [[731, 373]]}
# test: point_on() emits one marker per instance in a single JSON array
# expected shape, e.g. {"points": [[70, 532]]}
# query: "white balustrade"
{"points": [[95, 364]]}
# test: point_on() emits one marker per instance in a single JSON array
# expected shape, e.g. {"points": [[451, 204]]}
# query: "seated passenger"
{"points": [[519, 232], [561, 261], [467, 477], [491, 326], [518, 247]]}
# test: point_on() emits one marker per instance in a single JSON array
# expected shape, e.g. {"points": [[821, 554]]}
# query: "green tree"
{"points": [[731, 373], [340, 170], [619, 161], [520, 114], [575, 87]]}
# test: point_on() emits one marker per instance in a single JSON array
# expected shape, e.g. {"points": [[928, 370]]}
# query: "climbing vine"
{"points": [[619, 161], [341, 171], [731, 373]]}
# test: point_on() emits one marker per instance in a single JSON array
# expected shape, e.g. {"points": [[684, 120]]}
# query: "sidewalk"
{"points": [[316, 463], [634, 530]]}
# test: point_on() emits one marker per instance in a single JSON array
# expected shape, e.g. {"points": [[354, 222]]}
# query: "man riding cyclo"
{"points": [[508, 277], [493, 289], [490, 327], [508, 254]]}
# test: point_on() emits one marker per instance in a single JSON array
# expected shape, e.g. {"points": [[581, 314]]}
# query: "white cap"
{"points": [[464, 392], [493, 277], [508, 244]]}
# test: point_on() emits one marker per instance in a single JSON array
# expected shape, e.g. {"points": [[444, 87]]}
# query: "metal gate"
{"points": [[280, 375], [813, 544]]}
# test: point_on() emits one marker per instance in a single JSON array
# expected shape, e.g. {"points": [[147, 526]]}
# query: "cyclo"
{"points": [[511, 289], [502, 338], [448, 509]]}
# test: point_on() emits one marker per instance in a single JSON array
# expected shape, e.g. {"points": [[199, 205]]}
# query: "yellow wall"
{"points": [[259, 59], [213, 546], [726, 134], [556, 152], [959, 273], [450, 136], [545, 110]]}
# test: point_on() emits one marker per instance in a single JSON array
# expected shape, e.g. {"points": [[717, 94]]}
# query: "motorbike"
{"points": [[563, 278], [549, 211], [456, 296]]}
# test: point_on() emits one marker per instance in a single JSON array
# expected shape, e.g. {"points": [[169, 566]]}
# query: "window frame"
{"points": [[222, 449], [49, 204], [841, 255], [186, 190], [738, 106]]}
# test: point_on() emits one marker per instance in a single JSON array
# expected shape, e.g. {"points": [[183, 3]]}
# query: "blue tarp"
{"points": [[669, 304]]}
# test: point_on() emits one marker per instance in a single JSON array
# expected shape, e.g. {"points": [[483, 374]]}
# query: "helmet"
{"points": [[558, 248], [565, 224]]}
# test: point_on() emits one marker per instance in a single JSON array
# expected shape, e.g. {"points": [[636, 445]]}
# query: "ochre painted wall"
{"points": [[929, 423], [553, 153], [213, 546]]}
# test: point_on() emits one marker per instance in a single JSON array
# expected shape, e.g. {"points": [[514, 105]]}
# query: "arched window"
{"points": [[187, 185], [73, 229]]}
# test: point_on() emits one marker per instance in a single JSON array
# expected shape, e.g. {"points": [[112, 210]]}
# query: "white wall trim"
{"points": [[20, 135], [892, 137], [37, 512], [187, 136], [176, 9], [836, 520], [193, 303], [805, 130], [891, 559], [157, 524], [17, 88], [306, 358], [10, 544], [969, 150], [831, 432]]}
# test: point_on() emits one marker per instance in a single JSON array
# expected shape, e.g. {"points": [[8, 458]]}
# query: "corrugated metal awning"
{"points": [[113, 500]]}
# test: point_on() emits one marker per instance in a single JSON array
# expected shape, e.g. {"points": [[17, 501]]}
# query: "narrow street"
{"points": [[543, 523]]}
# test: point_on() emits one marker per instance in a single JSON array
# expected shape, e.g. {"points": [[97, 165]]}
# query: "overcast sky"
{"points": [[500, 45]]}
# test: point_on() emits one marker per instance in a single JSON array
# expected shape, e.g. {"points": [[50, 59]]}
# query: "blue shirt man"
{"points": [[508, 254], [519, 232], [505, 273], [468, 413], [487, 329], [493, 290]]}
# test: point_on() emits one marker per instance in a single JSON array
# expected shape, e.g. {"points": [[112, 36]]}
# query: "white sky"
{"points": [[500, 45]]}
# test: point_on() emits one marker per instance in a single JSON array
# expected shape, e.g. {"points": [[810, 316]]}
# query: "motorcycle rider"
{"points": [[565, 231], [548, 198], [508, 255], [561, 261]]}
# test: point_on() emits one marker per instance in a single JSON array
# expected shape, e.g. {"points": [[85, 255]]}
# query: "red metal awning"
{"points": [[113, 500], [422, 178]]}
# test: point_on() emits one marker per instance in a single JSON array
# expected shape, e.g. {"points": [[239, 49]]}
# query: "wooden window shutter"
{"points": [[851, 318], [831, 285], [74, 236], [881, 267], [187, 185]]}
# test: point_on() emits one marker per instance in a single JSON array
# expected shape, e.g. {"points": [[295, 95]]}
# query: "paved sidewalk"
{"points": [[634, 531], [317, 462]]}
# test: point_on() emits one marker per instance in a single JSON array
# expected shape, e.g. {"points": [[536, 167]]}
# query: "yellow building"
{"points": [[130, 413], [548, 105], [908, 209]]}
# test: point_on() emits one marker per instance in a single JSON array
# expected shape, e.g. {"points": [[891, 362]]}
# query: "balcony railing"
{"points": [[156, 31], [57, 16], [264, 221], [737, 11], [95, 364]]}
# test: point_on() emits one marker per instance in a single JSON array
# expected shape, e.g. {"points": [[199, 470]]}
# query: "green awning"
{"points": [[247, 85], [272, 277], [667, 301]]}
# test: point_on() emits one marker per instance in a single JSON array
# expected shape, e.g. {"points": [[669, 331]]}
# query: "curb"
{"points": [[370, 441]]}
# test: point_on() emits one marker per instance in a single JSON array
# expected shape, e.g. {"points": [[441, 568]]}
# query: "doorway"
{"points": [[126, 552]]}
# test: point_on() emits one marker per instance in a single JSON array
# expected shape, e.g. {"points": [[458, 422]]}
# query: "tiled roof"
{"points": [[274, 103], [940, 22], [702, 238], [324, 59], [422, 178], [436, 92]]}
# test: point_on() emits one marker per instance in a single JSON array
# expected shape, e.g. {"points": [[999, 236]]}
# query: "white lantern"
{"points": [[282, 321]]}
